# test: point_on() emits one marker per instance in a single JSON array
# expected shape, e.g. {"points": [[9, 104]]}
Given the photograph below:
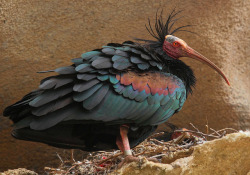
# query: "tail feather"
{"points": [[17, 111]]}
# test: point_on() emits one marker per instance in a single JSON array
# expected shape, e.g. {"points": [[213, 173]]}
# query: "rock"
{"points": [[19, 171], [176, 155], [228, 155]]}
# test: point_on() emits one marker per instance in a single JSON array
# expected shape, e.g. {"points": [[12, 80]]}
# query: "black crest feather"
{"points": [[162, 28]]}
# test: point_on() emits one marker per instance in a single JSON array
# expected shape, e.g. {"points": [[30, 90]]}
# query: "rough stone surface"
{"points": [[228, 155], [42, 35], [19, 171]]}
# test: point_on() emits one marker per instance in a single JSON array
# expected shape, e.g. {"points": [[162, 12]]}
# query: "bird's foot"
{"points": [[130, 158]]}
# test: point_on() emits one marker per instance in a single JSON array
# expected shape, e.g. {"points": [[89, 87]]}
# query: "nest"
{"points": [[106, 162]]}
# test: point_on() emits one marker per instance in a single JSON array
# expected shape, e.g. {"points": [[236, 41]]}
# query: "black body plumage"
{"points": [[70, 110]]}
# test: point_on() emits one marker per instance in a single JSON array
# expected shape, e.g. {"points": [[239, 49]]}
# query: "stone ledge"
{"points": [[228, 155]]}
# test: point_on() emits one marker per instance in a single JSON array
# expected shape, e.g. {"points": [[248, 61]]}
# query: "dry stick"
{"points": [[140, 153], [194, 127], [59, 157], [162, 143], [52, 169], [70, 169], [207, 125], [227, 129], [159, 155], [148, 144], [145, 153], [156, 135], [155, 151], [208, 135], [114, 156], [75, 165], [215, 132], [186, 145], [202, 134]]}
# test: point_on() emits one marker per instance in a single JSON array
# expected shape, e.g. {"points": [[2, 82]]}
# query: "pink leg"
{"points": [[119, 143], [122, 142]]}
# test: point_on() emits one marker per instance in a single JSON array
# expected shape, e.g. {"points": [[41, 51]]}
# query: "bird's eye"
{"points": [[176, 44]]}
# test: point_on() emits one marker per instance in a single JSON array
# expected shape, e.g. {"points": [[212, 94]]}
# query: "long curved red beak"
{"points": [[196, 55]]}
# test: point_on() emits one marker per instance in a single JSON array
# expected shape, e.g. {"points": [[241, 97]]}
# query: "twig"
{"points": [[156, 135], [215, 132], [207, 125], [114, 156], [198, 132], [159, 155], [194, 127], [188, 145], [160, 142], [59, 157], [72, 167], [136, 155], [228, 129]]}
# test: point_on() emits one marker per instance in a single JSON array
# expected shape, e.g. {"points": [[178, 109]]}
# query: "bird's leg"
{"points": [[125, 142], [119, 143]]}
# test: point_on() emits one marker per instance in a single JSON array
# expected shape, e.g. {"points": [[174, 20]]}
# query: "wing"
{"points": [[114, 84]]}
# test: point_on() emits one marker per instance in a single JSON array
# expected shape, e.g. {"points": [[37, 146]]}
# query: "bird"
{"points": [[113, 97]]}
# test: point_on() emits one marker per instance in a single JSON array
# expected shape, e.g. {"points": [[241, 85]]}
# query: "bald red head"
{"points": [[176, 48]]}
